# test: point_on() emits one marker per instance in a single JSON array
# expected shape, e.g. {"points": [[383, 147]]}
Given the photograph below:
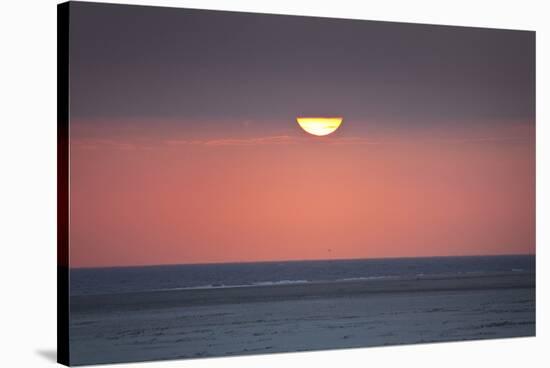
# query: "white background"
{"points": [[28, 183]]}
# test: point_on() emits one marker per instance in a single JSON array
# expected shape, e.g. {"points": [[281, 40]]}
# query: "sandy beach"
{"points": [[267, 319]]}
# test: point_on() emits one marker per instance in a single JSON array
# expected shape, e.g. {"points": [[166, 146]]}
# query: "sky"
{"points": [[185, 146]]}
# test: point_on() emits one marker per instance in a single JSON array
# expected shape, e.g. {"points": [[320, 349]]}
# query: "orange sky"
{"points": [[165, 200]]}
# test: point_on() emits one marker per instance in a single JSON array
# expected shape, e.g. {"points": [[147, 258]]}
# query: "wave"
{"points": [[365, 278], [224, 286], [346, 279], [281, 282], [275, 283], [182, 283]]}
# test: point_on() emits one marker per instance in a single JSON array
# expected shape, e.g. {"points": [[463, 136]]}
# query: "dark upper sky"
{"points": [[154, 62]]}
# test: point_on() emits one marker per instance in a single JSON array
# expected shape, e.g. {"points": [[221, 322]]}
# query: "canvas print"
{"points": [[234, 183]]}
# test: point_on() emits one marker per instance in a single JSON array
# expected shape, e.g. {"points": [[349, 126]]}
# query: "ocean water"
{"points": [[118, 315], [115, 280]]}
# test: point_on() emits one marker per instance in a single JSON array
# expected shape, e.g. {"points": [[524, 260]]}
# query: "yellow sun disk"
{"points": [[319, 126]]}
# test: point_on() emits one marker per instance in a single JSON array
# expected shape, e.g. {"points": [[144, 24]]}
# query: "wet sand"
{"points": [[266, 319]]}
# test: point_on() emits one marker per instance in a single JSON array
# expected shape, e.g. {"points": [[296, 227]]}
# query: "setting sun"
{"points": [[319, 126]]}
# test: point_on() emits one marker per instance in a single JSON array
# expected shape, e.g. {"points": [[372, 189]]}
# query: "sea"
{"points": [[117, 280]]}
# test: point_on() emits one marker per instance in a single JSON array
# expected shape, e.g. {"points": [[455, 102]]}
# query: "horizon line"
{"points": [[297, 260]]}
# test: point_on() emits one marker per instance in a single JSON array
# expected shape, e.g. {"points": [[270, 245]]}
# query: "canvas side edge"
{"points": [[63, 356]]}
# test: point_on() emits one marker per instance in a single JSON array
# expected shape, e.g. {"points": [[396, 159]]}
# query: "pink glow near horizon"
{"points": [[286, 197]]}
